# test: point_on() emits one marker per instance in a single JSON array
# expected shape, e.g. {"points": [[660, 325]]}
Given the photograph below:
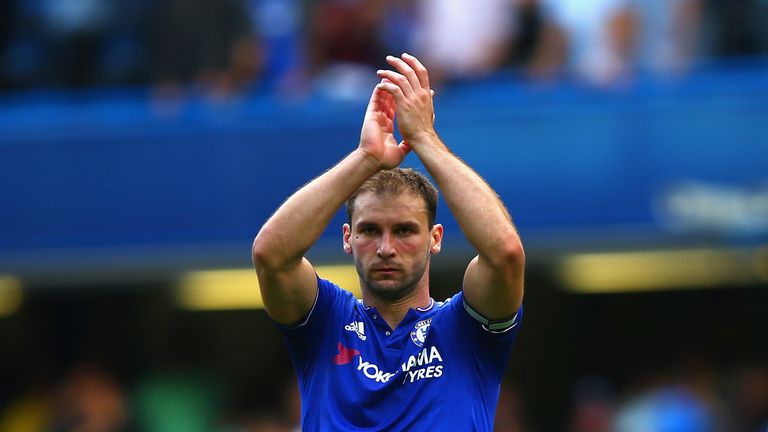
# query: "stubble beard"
{"points": [[392, 290]]}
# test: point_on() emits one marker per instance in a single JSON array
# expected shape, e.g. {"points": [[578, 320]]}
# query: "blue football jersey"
{"points": [[440, 369]]}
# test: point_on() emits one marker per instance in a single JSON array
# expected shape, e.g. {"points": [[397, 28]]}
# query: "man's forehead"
{"points": [[405, 199], [371, 202]]}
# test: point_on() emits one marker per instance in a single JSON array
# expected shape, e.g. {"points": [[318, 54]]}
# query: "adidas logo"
{"points": [[358, 327]]}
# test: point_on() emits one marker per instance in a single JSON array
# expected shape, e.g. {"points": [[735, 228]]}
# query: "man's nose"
{"points": [[386, 249]]}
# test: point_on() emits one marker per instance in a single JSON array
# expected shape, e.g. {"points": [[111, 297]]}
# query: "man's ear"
{"points": [[346, 233], [436, 239]]}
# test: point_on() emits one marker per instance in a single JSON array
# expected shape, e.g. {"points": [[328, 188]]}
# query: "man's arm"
{"points": [[287, 279], [493, 282]]}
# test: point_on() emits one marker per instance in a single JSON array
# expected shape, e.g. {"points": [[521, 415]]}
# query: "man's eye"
{"points": [[404, 231], [368, 230]]}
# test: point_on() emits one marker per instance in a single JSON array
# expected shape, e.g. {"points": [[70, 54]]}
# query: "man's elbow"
{"points": [[512, 253], [264, 255]]}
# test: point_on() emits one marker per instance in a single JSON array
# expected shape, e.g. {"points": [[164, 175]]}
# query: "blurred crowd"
{"points": [[226, 47], [89, 398], [689, 397], [694, 399]]}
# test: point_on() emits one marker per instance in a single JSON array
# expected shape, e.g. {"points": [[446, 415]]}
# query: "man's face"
{"points": [[391, 242]]}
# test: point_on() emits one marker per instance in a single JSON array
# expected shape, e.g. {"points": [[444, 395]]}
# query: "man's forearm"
{"points": [[475, 205], [301, 220], [493, 282]]}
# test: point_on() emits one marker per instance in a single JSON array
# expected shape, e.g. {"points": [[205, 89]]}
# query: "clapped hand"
{"points": [[409, 86], [377, 139]]}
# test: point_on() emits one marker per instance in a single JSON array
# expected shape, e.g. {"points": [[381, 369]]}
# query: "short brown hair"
{"points": [[396, 182]]}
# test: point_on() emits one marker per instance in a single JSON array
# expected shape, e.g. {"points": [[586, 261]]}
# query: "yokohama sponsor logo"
{"points": [[370, 370], [424, 365], [425, 357], [373, 372]]}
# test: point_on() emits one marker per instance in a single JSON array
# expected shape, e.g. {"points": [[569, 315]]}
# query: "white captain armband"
{"points": [[494, 326]]}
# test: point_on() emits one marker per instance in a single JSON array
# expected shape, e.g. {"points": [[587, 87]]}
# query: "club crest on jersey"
{"points": [[419, 332]]}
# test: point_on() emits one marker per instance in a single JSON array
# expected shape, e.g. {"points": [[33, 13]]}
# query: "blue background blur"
{"points": [[91, 175]]}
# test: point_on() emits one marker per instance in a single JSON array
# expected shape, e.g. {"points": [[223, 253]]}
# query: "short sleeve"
{"points": [[302, 336], [491, 345]]}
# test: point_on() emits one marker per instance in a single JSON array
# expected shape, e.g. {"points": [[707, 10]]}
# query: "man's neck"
{"points": [[393, 312]]}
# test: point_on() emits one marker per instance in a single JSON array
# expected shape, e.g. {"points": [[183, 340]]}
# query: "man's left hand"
{"points": [[409, 86]]}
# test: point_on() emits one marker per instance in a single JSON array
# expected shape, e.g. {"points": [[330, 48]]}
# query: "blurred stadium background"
{"points": [[143, 143]]}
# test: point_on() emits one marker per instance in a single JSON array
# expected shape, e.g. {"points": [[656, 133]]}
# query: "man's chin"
{"points": [[386, 285], [389, 289]]}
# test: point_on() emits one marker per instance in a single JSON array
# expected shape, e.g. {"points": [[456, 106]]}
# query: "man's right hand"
{"points": [[409, 87], [377, 139]]}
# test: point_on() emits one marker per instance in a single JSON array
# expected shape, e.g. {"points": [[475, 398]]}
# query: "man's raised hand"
{"points": [[409, 86], [377, 139]]}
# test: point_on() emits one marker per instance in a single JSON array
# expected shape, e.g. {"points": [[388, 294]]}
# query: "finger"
{"points": [[381, 101], [404, 147], [394, 90], [389, 106], [398, 80], [373, 101], [418, 68], [407, 71], [432, 93]]}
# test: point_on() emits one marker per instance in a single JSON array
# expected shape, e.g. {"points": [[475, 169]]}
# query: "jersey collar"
{"points": [[371, 309]]}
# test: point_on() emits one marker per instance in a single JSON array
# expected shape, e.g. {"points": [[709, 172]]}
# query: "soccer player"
{"points": [[395, 360]]}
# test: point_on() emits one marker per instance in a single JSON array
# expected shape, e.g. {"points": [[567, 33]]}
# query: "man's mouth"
{"points": [[386, 270]]}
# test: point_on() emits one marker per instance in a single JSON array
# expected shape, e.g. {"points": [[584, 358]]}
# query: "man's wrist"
{"points": [[370, 163], [423, 139]]}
